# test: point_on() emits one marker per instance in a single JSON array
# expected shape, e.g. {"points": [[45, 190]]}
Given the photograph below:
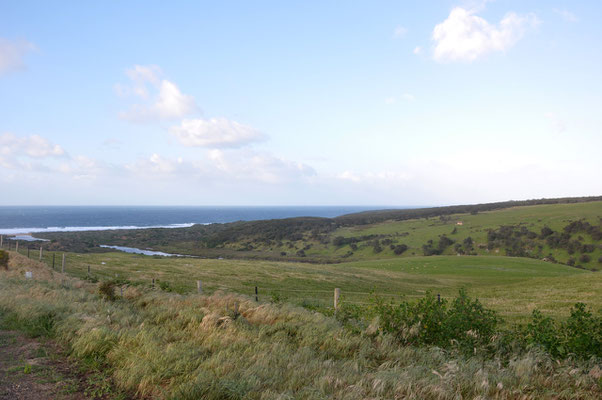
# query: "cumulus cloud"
{"points": [[33, 146], [161, 98], [12, 54], [215, 133], [464, 36]]}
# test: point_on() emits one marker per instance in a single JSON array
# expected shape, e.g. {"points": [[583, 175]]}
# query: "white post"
{"points": [[337, 294], [199, 286], [40, 253], [63, 265], [17, 247]]}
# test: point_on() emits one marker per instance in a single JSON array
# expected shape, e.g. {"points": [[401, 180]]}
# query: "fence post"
{"points": [[1, 241], [63, 264], [17, 246], [40, 253], [256, 294], [153, 283], [27, 251], [337, 294], [438, 298], [53, 254], [199, 287], [88, 272]]}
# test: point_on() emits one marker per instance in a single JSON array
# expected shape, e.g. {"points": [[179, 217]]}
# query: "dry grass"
{"points": [[171, 346]]}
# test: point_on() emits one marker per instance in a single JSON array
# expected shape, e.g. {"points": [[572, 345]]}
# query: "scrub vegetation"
{"points": [[166, 345]]}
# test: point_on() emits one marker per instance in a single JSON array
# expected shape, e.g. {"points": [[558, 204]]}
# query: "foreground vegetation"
{"points": [[165, 345]]}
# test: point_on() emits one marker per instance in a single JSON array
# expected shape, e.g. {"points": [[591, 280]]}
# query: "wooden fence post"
{"points": [[63, 264], [40, 253], [256, 295], [337, 294], [153, 283], [53, 254], [1, 241], [88, 272], [17, 246], [199, 287], [27, 251]]}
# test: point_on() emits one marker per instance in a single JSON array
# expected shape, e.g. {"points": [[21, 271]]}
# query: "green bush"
{"points": [[165, 286], [579, 335], [430, 321]]}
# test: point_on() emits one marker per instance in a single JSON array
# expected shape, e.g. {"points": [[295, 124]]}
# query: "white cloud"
{"points": [[408, 97], [33, 146], [399, 32], [215, 133], [464, 36], [12, 54], [223, 167], [417, 50], [162, 99], [566, 15]]}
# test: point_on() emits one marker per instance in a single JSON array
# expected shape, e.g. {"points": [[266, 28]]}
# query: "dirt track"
{"points": [[31, 369]]}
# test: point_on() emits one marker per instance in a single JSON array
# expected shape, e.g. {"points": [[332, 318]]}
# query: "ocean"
{"points": [[29, 219]]}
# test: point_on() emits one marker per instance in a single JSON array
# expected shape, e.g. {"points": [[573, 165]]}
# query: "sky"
{"points": [[299, 103]]}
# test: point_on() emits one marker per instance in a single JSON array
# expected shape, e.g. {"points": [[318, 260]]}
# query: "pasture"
{"points": [[512, 286]]}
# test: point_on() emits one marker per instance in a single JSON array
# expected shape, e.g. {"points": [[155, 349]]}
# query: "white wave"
{"points": [[17, 231]]}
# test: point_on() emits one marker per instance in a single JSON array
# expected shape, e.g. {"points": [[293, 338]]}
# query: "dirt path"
{"points": [[33, 369]]}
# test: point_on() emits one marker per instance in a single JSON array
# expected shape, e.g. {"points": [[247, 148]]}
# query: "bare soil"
{"points": [[33, 369]]}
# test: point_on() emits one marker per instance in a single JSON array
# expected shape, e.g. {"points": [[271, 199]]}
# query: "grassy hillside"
{"points": [[162, 345], [563, 232]]}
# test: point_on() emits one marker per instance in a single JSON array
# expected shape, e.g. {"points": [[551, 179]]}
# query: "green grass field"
{"points": [[512, 286], [415, 233]]}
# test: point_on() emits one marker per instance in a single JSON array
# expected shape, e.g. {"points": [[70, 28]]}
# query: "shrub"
{"points": [[400, 249], [429, 321], [165, 286], [585, 258], [106, 290], [580, 334]]}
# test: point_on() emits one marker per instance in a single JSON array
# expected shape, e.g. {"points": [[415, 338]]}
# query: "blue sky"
{"points": [[313, 103]]}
